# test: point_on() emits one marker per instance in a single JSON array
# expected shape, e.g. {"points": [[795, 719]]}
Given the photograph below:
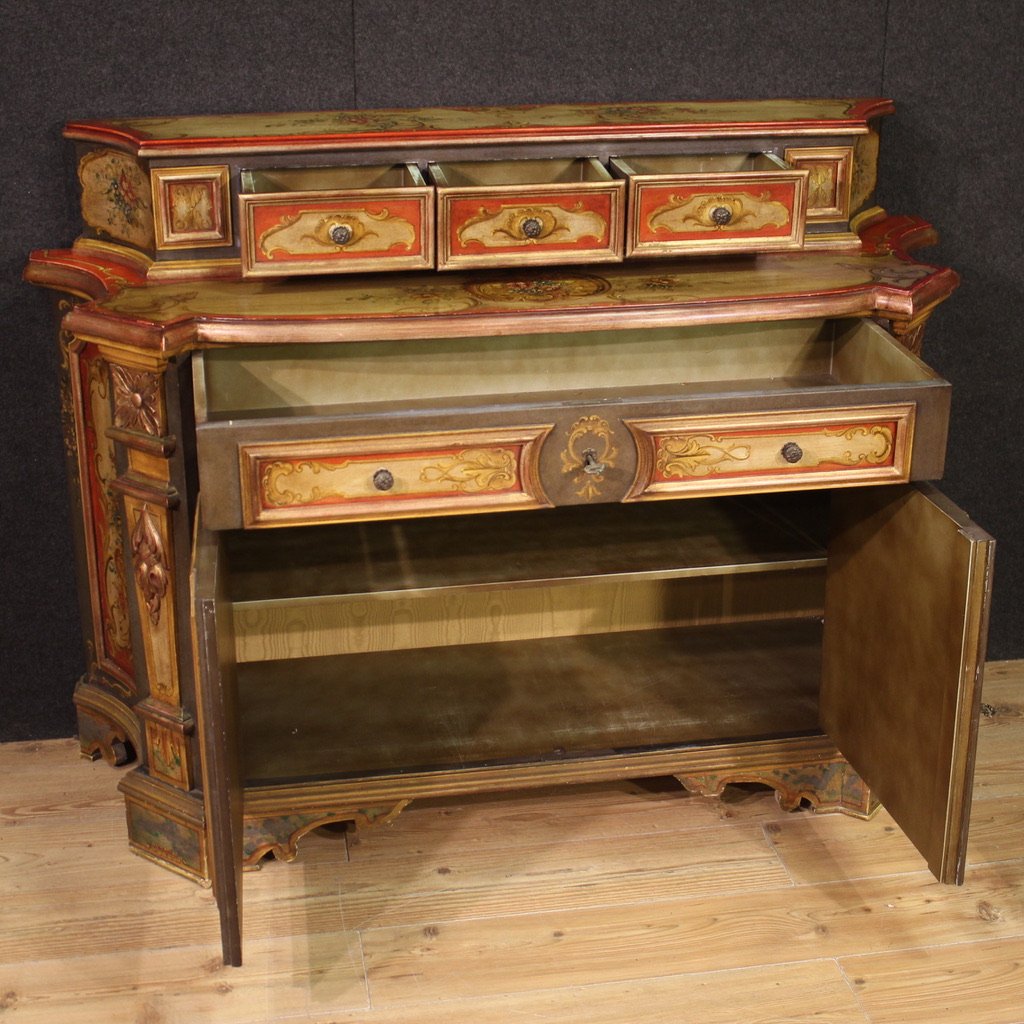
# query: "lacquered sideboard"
{"points": [[425, 452]]}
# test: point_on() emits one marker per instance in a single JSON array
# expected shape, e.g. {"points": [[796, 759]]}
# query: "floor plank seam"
{"points": [[766, 832], [965, 944], [853, 990], [576, 909]]}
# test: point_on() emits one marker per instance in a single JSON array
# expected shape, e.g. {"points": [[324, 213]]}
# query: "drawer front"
{"points": [[337, 232], [547, 224], [383, 477], [792, 450], [737, 212]]}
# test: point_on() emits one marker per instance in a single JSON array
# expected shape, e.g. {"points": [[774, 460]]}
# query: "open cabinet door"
{"points": [[906, 615], [213, 637]]}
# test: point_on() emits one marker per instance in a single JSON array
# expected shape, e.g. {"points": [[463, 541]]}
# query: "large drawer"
{"points": [[331, 220], [514, 212], [389, 476], [712, 203], [365, 430]]}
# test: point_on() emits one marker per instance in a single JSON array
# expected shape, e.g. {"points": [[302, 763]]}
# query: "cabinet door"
{"points": [[906, 610], [216, 698]]}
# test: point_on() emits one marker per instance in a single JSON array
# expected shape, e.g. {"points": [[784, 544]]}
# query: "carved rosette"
{"points": [[136, 400], [149, 559]]}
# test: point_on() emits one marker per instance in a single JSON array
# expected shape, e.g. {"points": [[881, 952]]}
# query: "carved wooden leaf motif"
{"points": [[150, 563]]}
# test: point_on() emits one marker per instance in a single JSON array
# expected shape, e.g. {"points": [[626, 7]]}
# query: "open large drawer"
{"points": [[290, 434]]}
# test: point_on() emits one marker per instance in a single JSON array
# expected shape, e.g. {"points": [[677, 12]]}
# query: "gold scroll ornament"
{"points": [[698, 213], [310, 481], [587, 463], [532, 225], [312, 233], [692, 455]]}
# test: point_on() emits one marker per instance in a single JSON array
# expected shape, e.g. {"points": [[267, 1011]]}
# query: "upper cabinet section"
{"points": [[257, 195]]}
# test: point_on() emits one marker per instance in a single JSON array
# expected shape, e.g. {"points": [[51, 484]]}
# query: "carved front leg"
{"points": [[105, 695], [152, 483]]}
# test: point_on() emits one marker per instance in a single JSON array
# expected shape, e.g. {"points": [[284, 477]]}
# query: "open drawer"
{"points": [[364, 665], [715, 203], [329, 220], [392, 429], [515, 212]]}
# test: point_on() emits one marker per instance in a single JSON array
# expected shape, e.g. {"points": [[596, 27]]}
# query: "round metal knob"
{"points": [[383, 480], [531, 227], [341, 234], [721, 215], [792, 452]]}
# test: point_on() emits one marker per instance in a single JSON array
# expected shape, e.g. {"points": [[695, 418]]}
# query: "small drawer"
{"points": [[317, 481], [790, 450], [515, 212], [331, 220], [707, 204]]}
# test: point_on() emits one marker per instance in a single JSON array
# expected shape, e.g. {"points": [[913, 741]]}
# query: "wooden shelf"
{"points": [[611, 542], [361, 715]]}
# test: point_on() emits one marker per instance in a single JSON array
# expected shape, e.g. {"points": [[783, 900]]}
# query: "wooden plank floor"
{"points": [[615, 903]]}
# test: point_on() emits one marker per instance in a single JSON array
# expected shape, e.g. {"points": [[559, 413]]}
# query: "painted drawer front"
{"points": [[383, 477], [772, 451], [515, 216], [329, 220], [724, 211]]}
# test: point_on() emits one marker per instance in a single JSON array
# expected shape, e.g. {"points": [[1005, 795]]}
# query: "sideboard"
{"points": [[425, 452]]}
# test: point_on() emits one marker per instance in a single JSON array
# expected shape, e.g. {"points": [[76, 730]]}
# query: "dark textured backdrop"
{"points": [[952, 154]]}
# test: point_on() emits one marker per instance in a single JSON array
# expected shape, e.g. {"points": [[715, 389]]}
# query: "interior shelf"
{"points": [[361, 715], [661, 540]]}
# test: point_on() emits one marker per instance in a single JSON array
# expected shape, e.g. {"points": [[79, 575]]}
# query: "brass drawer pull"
{"points": [[792, 452], [383, 480]]}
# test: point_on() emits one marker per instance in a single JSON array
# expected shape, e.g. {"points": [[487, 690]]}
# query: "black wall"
{"points": [[952, 154]]}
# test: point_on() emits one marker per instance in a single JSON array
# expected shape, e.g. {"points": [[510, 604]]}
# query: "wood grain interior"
{"points": [[276, 379], [367, 714], [420, 583]]}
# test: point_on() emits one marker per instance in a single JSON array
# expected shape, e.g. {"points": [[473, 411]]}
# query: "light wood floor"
{"points": [[615, 903]]}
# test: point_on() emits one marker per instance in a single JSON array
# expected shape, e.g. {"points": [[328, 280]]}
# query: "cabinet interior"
{"points": [[373, 648], [473, 173], [290, 380], [323, 179], [700, 163]]}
